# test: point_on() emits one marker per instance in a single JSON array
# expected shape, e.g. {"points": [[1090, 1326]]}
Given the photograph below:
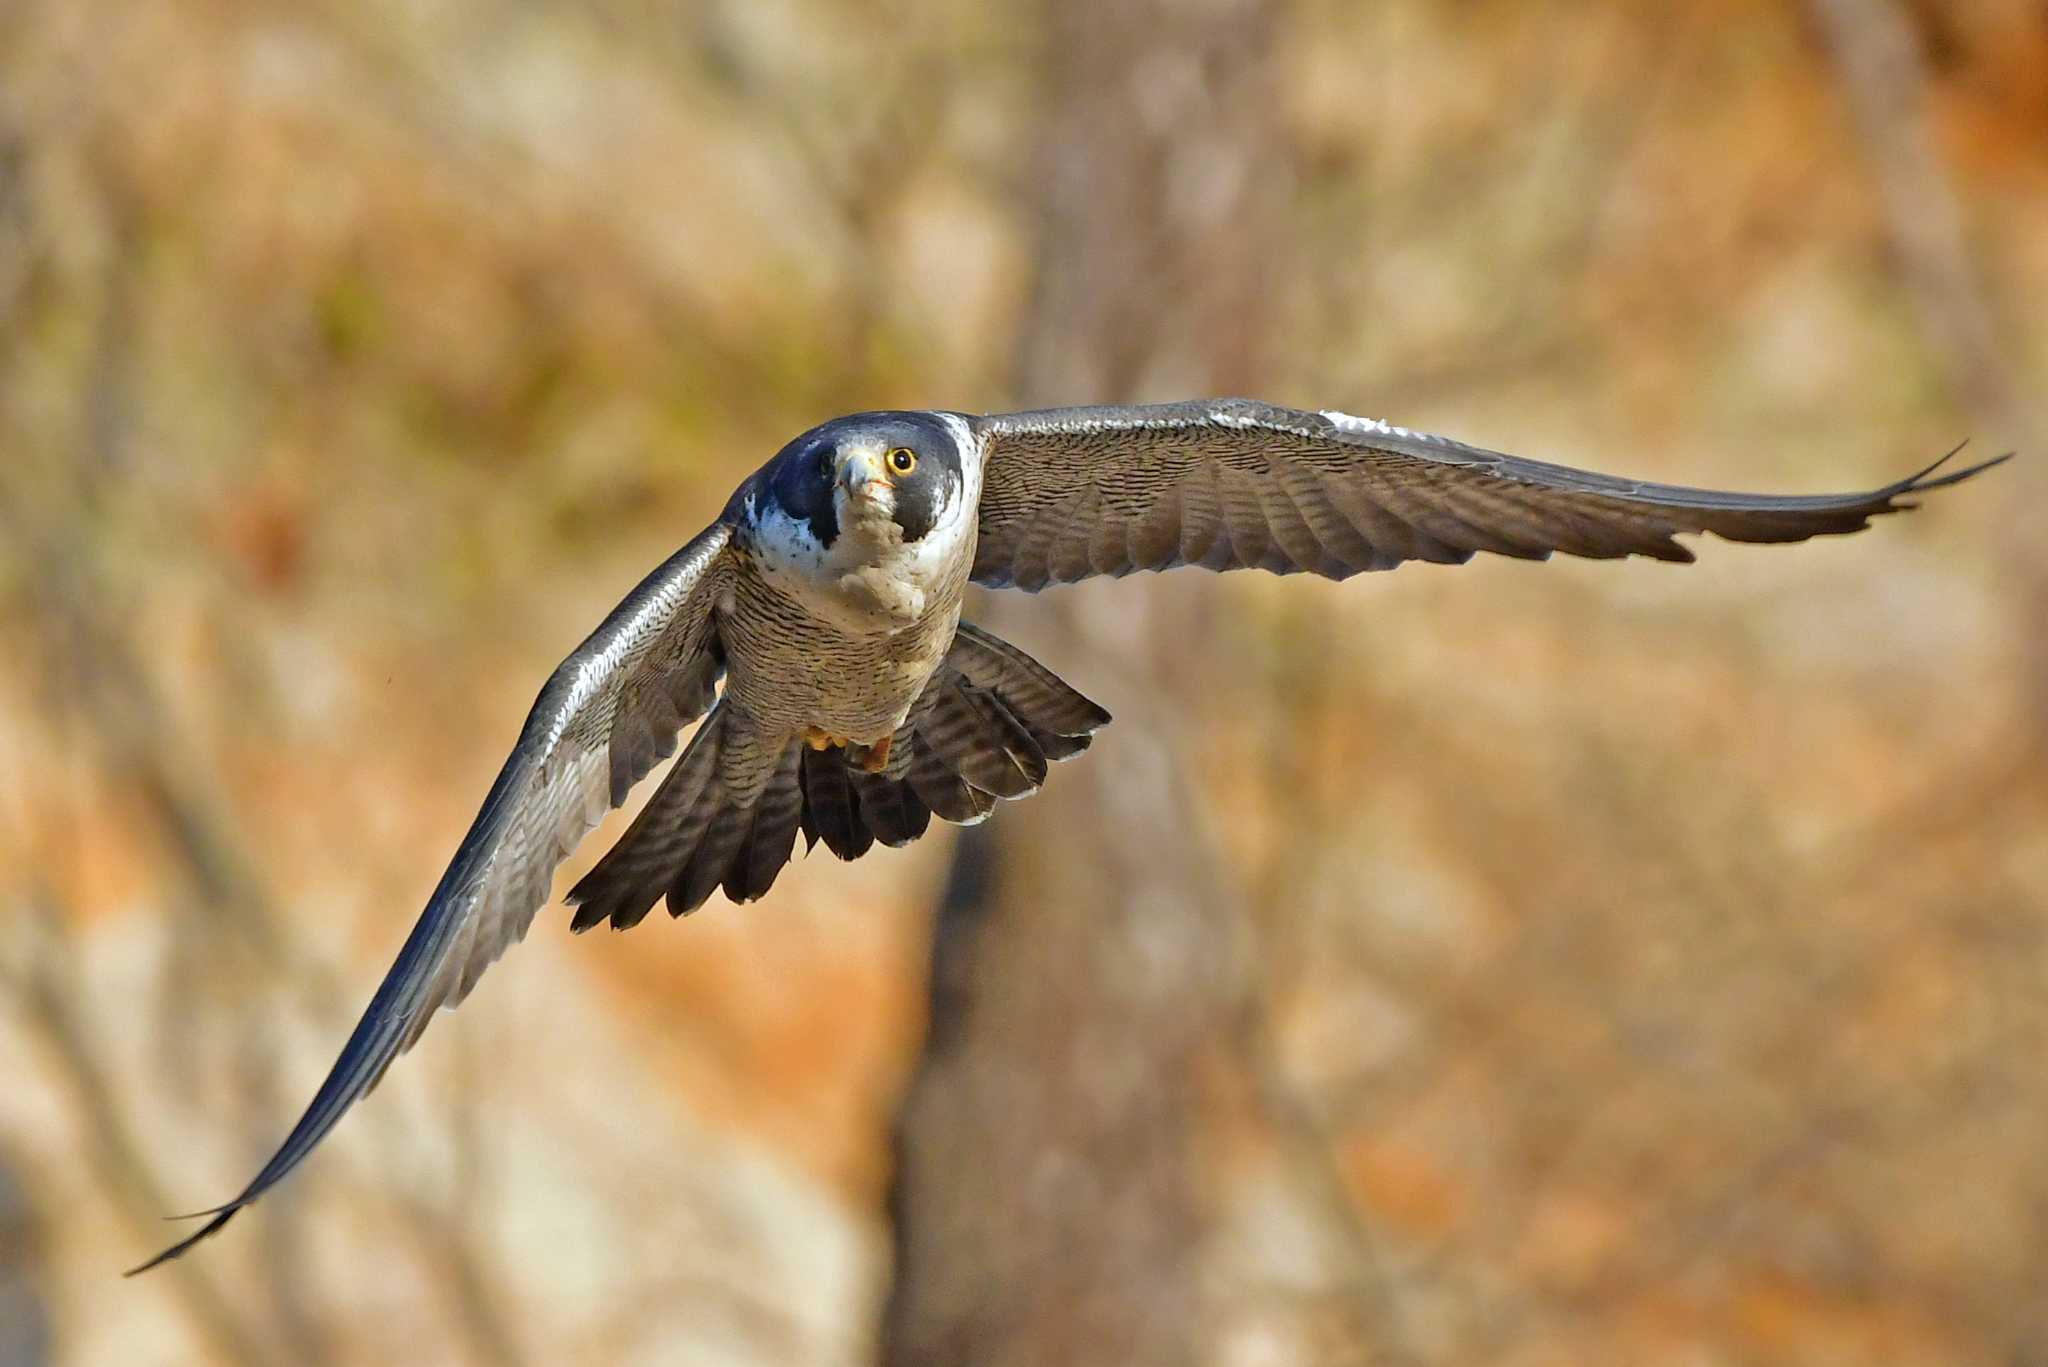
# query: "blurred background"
{"points": [[1558, 963]]}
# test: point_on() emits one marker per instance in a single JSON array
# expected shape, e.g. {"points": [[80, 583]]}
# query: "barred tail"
{"points": [[726, 815], [984, 728]]}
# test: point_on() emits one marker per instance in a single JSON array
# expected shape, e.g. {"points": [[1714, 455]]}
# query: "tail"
{"points": [[726, 815], [985, 727]]}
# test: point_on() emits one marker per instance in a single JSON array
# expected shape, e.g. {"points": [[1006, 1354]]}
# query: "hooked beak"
{"points": [[862, 476]]}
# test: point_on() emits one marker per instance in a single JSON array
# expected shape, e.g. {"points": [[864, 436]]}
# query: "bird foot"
{"points": [[873, 758], [819, 739]]}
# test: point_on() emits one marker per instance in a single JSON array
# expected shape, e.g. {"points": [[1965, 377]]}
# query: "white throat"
{"points": [[869, 580]]}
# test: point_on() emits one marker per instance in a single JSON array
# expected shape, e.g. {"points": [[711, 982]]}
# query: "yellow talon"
{"points": [[873, 758], [819, 739]]}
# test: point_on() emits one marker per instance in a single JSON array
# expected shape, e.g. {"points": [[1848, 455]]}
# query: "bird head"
{"points": [[869, 471]]}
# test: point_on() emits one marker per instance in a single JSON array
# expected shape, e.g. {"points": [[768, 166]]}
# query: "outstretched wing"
{"points": [[1235, 484], [607, 715]]}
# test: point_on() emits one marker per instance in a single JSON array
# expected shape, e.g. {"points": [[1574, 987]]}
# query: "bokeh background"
{"points": [[1560, 963]]}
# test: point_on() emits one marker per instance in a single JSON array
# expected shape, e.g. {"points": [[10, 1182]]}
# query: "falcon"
{"points": [[855, 704]]}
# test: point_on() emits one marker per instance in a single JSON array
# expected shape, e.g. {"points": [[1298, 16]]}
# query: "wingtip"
{"points": [[177, 1250], [1944, 458], [1920, 481]]}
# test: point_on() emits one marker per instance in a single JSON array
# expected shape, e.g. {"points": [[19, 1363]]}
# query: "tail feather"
{"points": [[1044, 701], [715, 819], [1006, 731], [942, 789], [984, 729], [630, 879], [704, 868], [773, 835], [889, 808], [975, 736], [831, 812]]}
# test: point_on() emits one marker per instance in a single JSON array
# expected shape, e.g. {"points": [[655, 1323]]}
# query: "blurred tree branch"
{"points": [[39, 978], [1882, 66], [56, 530], [1881, 61], [1062, 1192]]}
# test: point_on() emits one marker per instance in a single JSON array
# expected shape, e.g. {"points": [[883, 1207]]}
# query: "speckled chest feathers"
{"points": [[860, 535]]}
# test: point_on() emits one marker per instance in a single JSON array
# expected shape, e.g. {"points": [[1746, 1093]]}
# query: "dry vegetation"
{"points": [[1612, 962]]}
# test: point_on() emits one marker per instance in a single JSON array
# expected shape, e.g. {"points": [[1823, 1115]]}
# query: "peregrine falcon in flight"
{"points": [[857, 705]]}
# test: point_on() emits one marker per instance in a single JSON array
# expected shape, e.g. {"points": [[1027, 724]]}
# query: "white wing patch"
{"points": [[1369, 426]]}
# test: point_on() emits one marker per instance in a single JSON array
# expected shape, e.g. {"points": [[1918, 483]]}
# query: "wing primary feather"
{"points": [[1920, 482]]}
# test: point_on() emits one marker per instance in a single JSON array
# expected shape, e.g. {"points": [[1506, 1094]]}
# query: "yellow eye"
{"points": [[902, 460]]}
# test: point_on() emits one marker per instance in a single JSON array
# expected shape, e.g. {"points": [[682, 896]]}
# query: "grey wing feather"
{"points": [[1068, 493], [605, 717]]}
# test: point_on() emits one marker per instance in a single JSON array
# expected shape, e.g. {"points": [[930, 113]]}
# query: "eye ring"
{"points": [[902, 460]]}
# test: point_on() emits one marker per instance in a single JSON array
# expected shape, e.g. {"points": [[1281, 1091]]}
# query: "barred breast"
{"points": [[791, 667]]}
